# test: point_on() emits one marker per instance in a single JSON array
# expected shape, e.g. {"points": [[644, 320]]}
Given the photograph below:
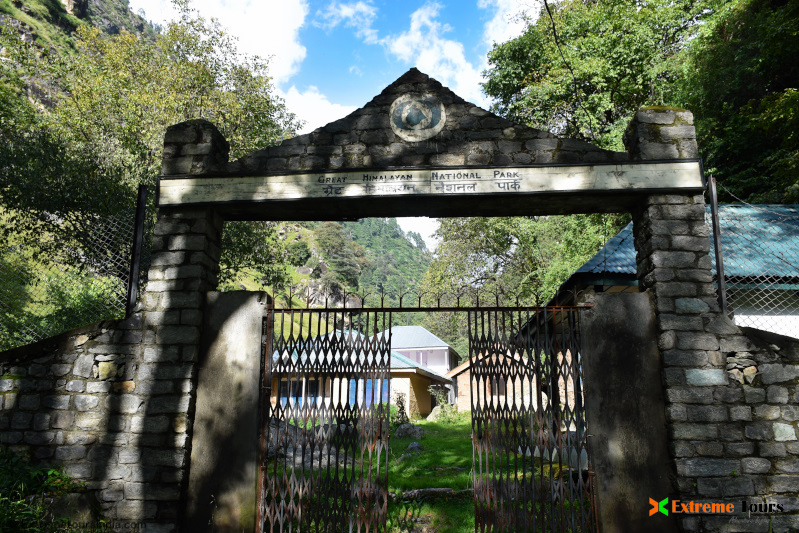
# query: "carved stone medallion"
{"points": [[416, 117]]}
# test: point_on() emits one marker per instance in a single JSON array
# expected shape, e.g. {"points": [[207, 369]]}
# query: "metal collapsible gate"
{"points": [[324, 443], [531, 468], [325, 420]]}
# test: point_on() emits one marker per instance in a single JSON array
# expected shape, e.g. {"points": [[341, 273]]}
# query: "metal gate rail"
{"points": [[324, 443], [325, 419], [531, 469]]}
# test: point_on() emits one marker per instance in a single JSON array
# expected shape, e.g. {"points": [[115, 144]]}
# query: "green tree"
{"points": [[741, 79], [731, 62], [617, 56], [84, 129], [345, 258], [511, 259]]}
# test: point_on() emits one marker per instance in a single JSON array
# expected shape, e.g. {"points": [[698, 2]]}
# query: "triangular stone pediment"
{"points": [[417, 122], [415, 149]]}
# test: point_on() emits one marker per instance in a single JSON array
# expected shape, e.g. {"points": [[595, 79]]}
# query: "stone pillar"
{"points": [[184, 267], [194, 147], [625, 412], [705, 408]]}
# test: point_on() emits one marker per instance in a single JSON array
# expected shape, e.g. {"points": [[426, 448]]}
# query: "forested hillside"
{"points": [[84, 105]]}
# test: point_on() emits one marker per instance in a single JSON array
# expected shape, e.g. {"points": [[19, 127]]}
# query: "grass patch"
{"points": [[454, 516], [445, 461]]}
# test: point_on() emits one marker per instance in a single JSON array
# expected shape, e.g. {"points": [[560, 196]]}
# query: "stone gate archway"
{"points": [[419, 149]]}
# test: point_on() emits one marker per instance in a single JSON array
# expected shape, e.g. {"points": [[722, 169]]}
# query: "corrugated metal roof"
{"points": [[746, 231], [414, 337], [617, 256]]}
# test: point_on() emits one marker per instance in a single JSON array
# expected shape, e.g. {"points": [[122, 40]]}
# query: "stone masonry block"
{"points": [[754, 395], [670, 133], [772, 449], [777, 373], [787, 466], [70, 453], [676, 289], [704, 467], [670, 259], [737, 343], [690, 306], [741, 413], [178, 335], [185, 242], [707, 413], [655, 116], [86, 402], [777, 394], [695, 431], [681, 322], [785, 483], [697, 341], [135, 510], [784, 432], [689, 395], [685, 358], [735, 449], [656, 150], [759, 431], [705, 377], [789, 413], [151, 424], [690, 243]]}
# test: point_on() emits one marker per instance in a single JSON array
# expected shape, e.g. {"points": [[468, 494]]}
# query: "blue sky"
{"points": [[329, 57]]}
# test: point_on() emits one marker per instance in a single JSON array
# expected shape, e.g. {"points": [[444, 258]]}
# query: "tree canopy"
{"points": [[617, 56], [731, 62], [81, 130]]}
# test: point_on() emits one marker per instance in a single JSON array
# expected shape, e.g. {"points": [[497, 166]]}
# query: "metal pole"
{"points": [[135, 251], [714, 215]]}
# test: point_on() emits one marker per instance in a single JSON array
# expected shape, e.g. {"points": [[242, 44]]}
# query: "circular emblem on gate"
{"points": [[415, 117]]}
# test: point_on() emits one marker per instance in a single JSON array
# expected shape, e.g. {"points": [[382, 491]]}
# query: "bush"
{"points": [[398, 414], [298, 253], [26, 493], [449, 412]]}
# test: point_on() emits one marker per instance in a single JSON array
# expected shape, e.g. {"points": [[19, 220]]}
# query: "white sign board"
{"points": [[183, 190]]}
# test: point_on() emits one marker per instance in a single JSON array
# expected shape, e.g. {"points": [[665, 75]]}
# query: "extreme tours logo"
{"points": [[711, 508]]}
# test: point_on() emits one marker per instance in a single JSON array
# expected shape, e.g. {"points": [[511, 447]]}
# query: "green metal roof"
{"points": [[757, 241]]}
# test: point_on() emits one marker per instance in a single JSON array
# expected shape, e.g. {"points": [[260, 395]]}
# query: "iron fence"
{"points": [[82, 273], [758, 261]]}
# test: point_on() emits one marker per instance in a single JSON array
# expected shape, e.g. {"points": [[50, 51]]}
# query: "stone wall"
{"points": [[730, 404], [114, 402]]}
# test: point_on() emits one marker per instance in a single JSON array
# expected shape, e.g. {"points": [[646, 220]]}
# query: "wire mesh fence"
{"points": [[760, 259], [75, 275]]}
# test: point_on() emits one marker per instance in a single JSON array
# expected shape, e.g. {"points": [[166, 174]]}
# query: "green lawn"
{"points": [[445, 461]]}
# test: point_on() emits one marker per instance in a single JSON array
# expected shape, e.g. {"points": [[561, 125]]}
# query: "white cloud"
{"points": [[424, 47], [359, 15], [508, 20], [314, 108], [261, 29], [424, 226]]}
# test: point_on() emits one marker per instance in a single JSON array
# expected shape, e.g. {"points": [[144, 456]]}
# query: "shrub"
{"points": [[448, 412], [26, 493], [398, 414]]}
